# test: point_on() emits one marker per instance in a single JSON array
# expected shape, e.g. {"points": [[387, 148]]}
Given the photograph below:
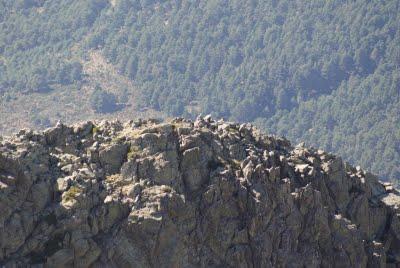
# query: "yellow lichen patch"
{"points": [[113, 178], [133, 152], [130, 133], [72, 193], [233, 130], [95, 130], [116, 180], [176, 125], [236, 163], [117, 139]]}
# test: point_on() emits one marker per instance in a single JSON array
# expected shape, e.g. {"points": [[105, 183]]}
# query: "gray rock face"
{"points": [[187, 194]]}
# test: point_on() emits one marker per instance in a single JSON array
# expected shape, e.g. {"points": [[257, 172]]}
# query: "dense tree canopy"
{"points": [[326, 72]]}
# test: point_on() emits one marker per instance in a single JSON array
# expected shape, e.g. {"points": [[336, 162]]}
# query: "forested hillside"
{"points": [[326, 72]]}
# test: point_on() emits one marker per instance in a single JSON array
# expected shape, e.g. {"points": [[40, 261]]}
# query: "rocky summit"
{"points": [[184, 193]]}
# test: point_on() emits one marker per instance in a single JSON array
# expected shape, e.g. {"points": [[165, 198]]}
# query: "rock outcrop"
{"points": [[187, 194]]}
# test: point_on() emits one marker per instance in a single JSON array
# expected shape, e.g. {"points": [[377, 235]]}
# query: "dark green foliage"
{"points": [[102, 101], [132, 67], [69, 73], [40, 121], [321, 71]]}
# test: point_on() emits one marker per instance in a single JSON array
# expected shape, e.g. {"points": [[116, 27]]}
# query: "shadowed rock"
{"points": [[187, 194]]}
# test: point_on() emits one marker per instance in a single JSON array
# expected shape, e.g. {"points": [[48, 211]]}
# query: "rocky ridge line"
{"points": [[187, 194]]}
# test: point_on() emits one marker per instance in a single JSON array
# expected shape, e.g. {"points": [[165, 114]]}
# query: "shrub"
{"points": [[103, 102]]}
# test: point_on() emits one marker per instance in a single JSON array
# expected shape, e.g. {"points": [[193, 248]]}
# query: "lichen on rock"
{"points": [[184, 193]]}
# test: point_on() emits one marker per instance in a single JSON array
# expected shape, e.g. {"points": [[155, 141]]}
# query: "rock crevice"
{"points": [[184, 193]]}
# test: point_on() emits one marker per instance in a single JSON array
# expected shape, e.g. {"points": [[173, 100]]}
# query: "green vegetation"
{"points": [[40, 121], [326, 72], [102, 101]]}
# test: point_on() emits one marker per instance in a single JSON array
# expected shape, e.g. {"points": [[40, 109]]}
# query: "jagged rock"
{"points": [[62, 258], [111, 156], [187, 194]]}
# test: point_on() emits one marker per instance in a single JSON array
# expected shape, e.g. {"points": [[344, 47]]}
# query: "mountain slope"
{"points": [[289, 66], [187, 194]]}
